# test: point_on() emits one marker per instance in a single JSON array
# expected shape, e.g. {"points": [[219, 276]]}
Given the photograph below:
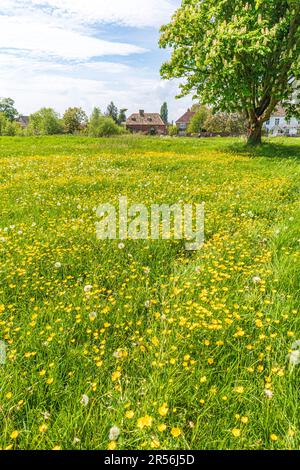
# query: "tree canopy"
{"points": [[236, 55], [122, 116], [164, 113], [112, 111], [7, 107], [102, 126], [74, 119], [45, 122], [197, 123]]}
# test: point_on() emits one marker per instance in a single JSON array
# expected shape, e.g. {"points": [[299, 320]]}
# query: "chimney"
{"points": [[142, 113]]}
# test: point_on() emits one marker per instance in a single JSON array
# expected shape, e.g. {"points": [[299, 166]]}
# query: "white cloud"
{"points": [[50, 55], [34, 85], [45, 38], [136, 13]]}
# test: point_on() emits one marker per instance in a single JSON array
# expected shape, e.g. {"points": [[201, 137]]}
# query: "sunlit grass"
{"points": [[177, 350]]}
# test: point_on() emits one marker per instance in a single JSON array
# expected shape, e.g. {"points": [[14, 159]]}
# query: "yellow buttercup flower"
{"points": [[115, 375], [14, 434], [236, 432], [43, 428], [176, 432], [112, 445], [162, 427], [163, 410], [144, 422]]}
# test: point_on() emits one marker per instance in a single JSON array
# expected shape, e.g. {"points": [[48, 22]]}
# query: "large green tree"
{"points": [[237, 55], [164, 113], [7, 107], [122, 116], [74, 119], [112, 111], [45, 122], [197, 123]]}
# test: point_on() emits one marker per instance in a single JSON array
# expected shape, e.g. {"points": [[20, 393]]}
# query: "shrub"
{"points": [[173, 130], [45, 122], [74, 120], [101, 126], [225, 123], [197, 123], [8, 127]]}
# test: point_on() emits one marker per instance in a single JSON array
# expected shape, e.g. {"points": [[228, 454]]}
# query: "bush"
{"points": [[45, 122], [10, 128], [225, 123], [197, 123], [101, 126], [74, 120], [172, 131]]}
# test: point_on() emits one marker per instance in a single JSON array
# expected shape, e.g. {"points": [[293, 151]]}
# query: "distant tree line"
{"points": [[47, 121]]}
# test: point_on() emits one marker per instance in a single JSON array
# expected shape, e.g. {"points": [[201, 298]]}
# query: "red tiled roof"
{"points": [[185, 119], [145, 119], [23, 120]]}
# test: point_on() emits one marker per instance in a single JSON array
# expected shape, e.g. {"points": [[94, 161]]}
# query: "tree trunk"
{"points": [[255, 133]]}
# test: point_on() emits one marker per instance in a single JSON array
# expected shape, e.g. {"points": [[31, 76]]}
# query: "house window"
{"points": [[182, 126], [268, 122], [277, 122]]}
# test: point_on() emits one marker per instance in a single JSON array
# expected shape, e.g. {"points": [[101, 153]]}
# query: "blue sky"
{"points": [[63, 53]]}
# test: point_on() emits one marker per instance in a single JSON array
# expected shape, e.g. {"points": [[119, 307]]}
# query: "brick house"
{"points": [[23, 121], [146, 123], [183, 122]]}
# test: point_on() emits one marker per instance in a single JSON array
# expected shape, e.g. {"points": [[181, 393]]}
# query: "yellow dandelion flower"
{"points": [[14, 434], [163, 410], [273, 437], [236, 432], [112, 445], [175, 432], [239, 389], [115, 375], [129, 414], [162, 427], [144, 422], [43, 428]]}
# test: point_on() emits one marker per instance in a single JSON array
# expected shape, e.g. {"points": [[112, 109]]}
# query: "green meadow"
{"points": [[144, 345]]}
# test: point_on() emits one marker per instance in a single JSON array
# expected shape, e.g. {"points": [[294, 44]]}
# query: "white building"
{"points": [[278, 124]]}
